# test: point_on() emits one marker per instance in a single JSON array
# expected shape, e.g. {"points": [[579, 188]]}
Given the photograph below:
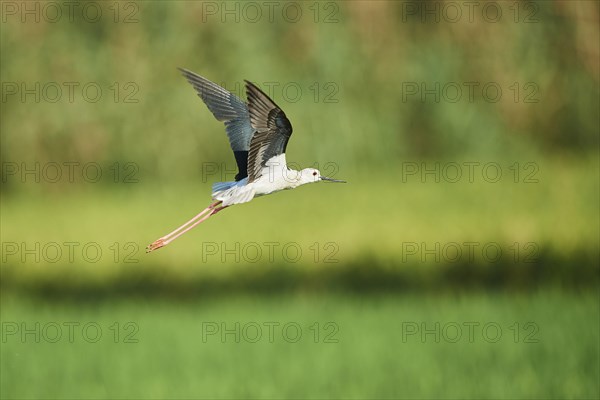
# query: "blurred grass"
{"points": [[369, 221], [370, 360]]}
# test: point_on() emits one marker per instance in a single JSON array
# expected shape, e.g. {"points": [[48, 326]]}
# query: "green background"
{"points": [[371, 91]]}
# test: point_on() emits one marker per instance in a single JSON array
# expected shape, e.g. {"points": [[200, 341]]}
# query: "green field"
{"points": [[370, 220], [367, 352]]}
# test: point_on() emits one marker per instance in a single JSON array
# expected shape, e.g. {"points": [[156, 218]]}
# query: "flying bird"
{"points": [[258, 133]]}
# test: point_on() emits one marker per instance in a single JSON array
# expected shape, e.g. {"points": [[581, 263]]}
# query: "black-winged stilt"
{"points": [[258, 133]]}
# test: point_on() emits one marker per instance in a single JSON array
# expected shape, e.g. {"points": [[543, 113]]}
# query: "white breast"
{"points": [[275, 176]]}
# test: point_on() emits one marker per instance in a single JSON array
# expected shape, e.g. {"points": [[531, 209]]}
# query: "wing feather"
{"points": [[231, 110], [273, 130]]}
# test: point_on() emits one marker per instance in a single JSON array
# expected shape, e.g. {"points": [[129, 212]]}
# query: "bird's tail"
{"points": [[221, 187], [234, 195]]}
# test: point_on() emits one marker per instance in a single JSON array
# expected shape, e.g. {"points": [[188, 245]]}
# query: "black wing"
{"points": [[273, 130], [229, 108]]}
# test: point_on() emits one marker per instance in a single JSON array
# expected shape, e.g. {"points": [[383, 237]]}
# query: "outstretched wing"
{"points": [[230, 109], [273, 130]]}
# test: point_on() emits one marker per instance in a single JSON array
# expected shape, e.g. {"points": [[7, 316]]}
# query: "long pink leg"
{"points": [[201, 213], [213, 212], [165, 240]]}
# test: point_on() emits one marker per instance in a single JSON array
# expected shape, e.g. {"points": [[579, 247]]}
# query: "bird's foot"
{"points": [[155, 245]]}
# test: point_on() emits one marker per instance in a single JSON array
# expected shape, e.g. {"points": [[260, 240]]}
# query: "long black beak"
{"points": [[324, 178]]}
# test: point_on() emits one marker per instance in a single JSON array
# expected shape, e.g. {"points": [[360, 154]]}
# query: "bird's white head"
{"points": [[311, 175]]}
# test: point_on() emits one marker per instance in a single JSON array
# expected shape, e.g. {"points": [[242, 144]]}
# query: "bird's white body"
{"points": [[276, 176]]}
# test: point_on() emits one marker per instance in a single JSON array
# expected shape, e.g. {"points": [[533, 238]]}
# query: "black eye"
{"points": [[315, 173]]}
